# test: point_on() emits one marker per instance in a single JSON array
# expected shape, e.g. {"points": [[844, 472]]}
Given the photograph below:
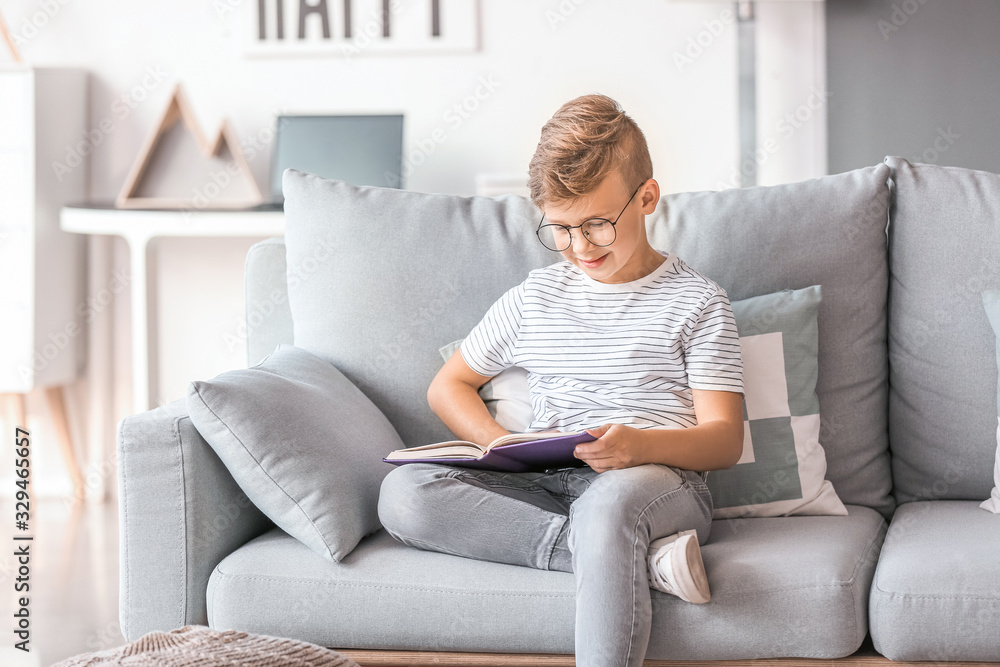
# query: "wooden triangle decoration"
{"points": [[206, 193], [10, 41]]}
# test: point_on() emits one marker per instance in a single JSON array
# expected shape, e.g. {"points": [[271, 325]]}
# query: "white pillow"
{"points": [[506, 395], [993, 502], [991, 300]]}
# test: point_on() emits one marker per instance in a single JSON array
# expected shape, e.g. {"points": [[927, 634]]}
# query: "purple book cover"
{"points": [[531, 456]]}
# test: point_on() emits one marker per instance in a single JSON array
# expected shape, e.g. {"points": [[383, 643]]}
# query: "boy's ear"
{"points": [[650, 196]]}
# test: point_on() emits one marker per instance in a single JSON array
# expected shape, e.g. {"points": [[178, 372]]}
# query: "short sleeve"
{"points": [[489, 347], [712, 350]]}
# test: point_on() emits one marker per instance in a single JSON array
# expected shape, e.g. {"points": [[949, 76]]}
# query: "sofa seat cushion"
{"points": [[936, 594], [783, 586]]}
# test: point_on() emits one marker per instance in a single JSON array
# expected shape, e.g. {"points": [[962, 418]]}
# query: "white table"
{"points": [[138, 227]]}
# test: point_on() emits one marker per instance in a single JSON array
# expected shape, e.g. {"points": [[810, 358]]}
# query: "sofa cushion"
{"points": [[944, 243], [936, 593], [828, 231], [268, 320], [788, 586], [302, 442], [379, 279]]}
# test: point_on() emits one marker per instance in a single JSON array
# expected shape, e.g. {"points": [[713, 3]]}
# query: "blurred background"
{"points": [[101, 238]]}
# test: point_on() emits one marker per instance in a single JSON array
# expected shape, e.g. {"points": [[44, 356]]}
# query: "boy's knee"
{"points": [[399, 495], [411, 476], [394, 496], [616, 501], [637, 485]]}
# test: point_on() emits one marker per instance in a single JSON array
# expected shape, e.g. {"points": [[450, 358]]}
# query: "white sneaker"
{"points": [[675, 567]]}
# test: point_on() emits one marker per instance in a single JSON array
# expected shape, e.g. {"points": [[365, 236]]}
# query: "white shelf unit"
{"points": [[44, 149], [138, 227], [43, 124]]}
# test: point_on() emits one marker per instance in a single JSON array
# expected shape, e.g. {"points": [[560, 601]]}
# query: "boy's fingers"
{"points": [[599, 430], [593, 447]]}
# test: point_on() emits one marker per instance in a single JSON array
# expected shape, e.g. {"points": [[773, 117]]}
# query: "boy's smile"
{"points": [[593, 264], [629, 257]]}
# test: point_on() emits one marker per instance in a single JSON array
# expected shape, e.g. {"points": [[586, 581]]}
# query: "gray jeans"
{"points": [[596, 525]]}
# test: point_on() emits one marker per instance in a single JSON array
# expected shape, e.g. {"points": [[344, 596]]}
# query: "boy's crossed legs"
{"points": [[595, 525]]}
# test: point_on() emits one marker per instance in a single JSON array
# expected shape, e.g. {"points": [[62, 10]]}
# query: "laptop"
{"points": [[358, 149]]}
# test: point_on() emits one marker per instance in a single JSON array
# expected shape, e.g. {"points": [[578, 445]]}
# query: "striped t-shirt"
{"points": [[600, 353]]}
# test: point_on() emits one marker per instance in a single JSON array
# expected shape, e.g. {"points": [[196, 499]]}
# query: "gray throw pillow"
{"points": [[302, 442]]}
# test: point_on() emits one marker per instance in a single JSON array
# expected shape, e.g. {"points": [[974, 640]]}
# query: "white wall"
{"points": [[672, 65]]}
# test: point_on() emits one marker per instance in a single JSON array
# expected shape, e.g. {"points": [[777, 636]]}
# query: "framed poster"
{"points": [[357, 28]]}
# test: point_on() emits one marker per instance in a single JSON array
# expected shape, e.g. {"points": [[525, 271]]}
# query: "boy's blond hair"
{"points": [[586, 140]]}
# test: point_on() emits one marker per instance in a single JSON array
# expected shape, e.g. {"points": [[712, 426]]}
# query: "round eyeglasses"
{"points": [[599, 231]]}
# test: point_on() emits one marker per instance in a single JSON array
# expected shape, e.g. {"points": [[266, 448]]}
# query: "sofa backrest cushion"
{"points": [[944, 242], [380, 279], [268, 319], [827, 231]]}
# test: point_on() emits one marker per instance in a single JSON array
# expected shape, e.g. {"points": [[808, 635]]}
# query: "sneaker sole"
{"points": [[694, 589]]}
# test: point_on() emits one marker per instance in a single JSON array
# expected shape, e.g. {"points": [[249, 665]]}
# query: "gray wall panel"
{"points": [[914, 78]]}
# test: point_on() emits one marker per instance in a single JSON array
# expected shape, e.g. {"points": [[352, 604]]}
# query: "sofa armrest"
{"points": [[180, 514]]}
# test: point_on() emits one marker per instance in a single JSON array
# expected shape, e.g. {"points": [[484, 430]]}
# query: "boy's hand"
{"points": [[617, 446]]}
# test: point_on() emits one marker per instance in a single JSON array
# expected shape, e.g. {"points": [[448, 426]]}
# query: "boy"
{"points": [[621, 340]]}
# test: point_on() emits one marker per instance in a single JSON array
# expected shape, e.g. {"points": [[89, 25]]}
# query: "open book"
{"points": [[514, 452]]}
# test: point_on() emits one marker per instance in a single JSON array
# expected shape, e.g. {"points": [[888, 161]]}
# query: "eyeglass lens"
{"points": [[556, 237]]}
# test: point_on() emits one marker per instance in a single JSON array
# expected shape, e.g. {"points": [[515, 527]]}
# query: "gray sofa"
{"points": [[907, 389]]}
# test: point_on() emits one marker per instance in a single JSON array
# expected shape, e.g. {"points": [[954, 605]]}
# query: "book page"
{"points": [[514, 438], [452, 448], [447, 443]]}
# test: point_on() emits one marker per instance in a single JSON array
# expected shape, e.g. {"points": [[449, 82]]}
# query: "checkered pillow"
{"points": [[783, 467], [991, 299]]}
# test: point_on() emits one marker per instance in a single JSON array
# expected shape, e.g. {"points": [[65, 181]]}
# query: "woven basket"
{"points": [[201, 646]]}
